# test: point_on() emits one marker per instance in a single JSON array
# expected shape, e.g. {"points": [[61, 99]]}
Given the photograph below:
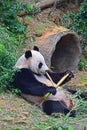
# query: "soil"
{"points": [[15, 112]]}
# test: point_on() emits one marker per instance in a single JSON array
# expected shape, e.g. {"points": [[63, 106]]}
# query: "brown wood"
{"points": [[42, 5], [60, 48], [47, 3]]}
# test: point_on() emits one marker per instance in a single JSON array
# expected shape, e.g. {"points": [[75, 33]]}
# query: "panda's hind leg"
{"points": [[50, 107]]}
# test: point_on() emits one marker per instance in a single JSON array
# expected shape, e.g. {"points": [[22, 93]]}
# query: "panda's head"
{"points": [[33, 60]]}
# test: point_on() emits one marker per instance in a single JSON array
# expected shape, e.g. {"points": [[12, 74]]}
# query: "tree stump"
{"points": [[60, 48]]}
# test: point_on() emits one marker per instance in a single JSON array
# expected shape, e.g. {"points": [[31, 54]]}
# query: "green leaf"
{"points": [[30, 7], [70, 128]]}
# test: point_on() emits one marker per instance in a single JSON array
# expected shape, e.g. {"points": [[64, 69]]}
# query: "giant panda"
{"points": [[33, 83]]}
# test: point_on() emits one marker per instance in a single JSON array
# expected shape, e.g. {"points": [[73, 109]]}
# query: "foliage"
{"points": [[77, 21], [8, 15], [80, 20], [6, 64], [62, 128], [81, 65], [8, 49], [85, 55], [31, 9]]}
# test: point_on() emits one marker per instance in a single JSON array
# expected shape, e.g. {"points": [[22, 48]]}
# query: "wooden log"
{"points": [[42, 5], [60, 48], [47, 3]]}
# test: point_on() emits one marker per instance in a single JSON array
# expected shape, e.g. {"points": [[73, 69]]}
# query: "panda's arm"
{"points": [[26, 82], [57, 76]]}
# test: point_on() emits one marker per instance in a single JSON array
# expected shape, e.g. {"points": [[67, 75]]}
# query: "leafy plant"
{"points": [[85, 55], [81, 65], [62, 128], [80, 20], [8, 15], [9, 43], [6, 66], [15, 129], [31, 9], [77, 21]]}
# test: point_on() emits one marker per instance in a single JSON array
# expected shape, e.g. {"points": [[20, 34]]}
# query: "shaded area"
{"points": [[66, 54]]}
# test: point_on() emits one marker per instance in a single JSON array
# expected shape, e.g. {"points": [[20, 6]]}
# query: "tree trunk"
{"points": [[47, 3]]}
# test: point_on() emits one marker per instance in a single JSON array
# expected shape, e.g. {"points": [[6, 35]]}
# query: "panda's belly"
{"points": [[33, 99], [62, 95], [44, 80]]}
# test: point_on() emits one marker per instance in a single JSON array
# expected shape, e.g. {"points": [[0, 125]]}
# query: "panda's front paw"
{"points": [[71, 75], [52, 90]]}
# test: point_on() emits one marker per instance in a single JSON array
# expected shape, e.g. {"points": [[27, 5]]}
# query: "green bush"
{"points": [[77, 21], [8, 15], [9, 47], [85, 55], [81, 65], [29, 8], [12, 34], [80, 20], [7, 60]]}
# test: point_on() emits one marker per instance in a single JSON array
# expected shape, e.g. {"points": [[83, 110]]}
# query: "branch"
{"points": [[42, 5]]}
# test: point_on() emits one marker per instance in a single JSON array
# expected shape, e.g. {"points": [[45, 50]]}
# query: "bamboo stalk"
{"points": [[57, 85], [61, 80], [53, 84]]}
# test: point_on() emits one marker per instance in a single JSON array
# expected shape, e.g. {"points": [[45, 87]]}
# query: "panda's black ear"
{"points": [[35, 48], [28, 54]]}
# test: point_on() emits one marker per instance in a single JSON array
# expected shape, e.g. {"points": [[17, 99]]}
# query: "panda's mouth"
{"points": [[39, 72]]}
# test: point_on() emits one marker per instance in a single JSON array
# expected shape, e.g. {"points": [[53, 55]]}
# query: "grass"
{"points": [[17, 114]]}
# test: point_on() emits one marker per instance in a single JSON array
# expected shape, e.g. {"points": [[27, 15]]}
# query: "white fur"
{"points": [[35, 60], [32, 62], [43, 80], [22, 62]]}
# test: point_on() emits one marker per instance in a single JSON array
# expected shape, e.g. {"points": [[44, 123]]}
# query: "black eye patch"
{"points": [[40, 65]]}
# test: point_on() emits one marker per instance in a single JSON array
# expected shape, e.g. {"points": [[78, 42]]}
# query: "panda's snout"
{"points": [[44, 69]]}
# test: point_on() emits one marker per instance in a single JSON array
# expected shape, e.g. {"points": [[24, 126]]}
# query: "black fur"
{"points": [[35, 48], [40, 65], [82, 95], [28, 54], [26, 82], [50, 107], [57, 76]]}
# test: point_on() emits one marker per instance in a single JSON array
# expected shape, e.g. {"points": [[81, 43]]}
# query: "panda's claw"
{"points": [[52, 90], [71, 75]]}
